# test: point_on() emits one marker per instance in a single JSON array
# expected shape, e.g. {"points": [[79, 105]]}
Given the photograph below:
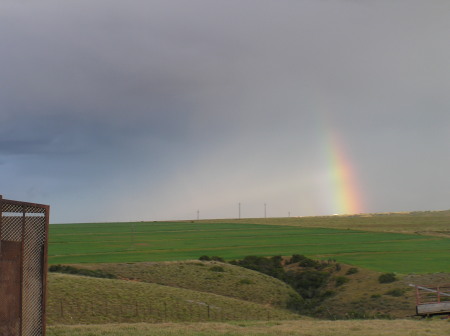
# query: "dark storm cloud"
{"points": [[168, 102]]}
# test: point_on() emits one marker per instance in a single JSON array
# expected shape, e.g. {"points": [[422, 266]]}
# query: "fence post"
{"points": [[209, 312], [61, 306]]}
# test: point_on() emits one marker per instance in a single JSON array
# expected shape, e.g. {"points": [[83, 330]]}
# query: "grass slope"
{"points": [[83, 300], [166, 241], [208, 276], [282, 328]]}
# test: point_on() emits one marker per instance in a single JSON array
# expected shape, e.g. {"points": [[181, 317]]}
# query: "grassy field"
{"points": [[207, 276], [433, 223], [282, 328], [166, 241], [76, 299], [168, 285], [362, 294]]}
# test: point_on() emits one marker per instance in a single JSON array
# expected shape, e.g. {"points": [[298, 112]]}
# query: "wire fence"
{"points": [[108, 311]]}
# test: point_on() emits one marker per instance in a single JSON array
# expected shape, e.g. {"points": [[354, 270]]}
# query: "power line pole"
{"points": [[239, 210], [198, 214], [265, 211]]}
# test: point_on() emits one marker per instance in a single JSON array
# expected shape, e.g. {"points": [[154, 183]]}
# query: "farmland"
{"points": [[159, 281], [316, 237]]}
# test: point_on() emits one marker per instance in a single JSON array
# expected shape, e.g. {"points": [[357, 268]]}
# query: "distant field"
{"points": [[435, 223], [165, 241]]}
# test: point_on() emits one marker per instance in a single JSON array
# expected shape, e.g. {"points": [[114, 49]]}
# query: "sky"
{"points": [[177, 109]]}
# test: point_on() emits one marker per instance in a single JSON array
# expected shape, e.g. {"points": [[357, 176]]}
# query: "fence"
{"points": [[430, 294], [23, 267], [73, 311], [432, 300]]}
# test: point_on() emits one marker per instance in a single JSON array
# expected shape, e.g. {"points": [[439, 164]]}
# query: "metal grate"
{"points": [[23, 250], [11, 229]]}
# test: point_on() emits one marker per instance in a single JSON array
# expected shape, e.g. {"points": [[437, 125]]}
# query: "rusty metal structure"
{"points": [[23, 267], [432, 300]]}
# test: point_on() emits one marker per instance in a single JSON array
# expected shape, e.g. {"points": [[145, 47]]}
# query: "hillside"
{"points": [[83, 300], [348, 292], [207, 276]]}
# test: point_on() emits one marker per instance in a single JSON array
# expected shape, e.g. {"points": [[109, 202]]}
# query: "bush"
{"points": [[396, 292], [296, 258], [245, 282], [81, 271], [216, 258], [340, 280], [387, 278], [351, 271], [295, 302], [308, 263], [217, 269], [309, 283], [204, 258], [270, 266]]}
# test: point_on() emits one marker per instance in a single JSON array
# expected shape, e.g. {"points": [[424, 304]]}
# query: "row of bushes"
{"points": [[81, 271], [310, 280]]}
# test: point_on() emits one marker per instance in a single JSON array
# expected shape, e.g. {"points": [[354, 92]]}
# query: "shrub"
{"points": [[387, 278], [216, 258], [80, 271], [351, 271], [328, 293], [296, 258], [204, 258], [308, 263], [295, 302], [340, 280], [396, 292], [245, 282], [216, 269], [270, 266], [308, 283]]}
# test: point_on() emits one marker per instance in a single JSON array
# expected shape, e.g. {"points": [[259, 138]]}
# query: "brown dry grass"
{"points": [[285, 328]]}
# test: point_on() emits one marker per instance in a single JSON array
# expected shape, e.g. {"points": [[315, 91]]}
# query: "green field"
{"points": [[165, 241]]}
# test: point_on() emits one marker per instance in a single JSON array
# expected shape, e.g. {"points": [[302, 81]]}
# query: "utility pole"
{"points": [[239, 210], [198, 214], [265, 211]]}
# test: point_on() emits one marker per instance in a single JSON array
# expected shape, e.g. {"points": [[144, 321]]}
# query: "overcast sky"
{"points": [[152, 110]]}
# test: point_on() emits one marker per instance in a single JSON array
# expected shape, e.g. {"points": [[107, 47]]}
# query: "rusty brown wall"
{"points": [[10, 268], [23, 267]]}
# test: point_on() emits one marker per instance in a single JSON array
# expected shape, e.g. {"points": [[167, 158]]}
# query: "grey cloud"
{"points": [[145, 96]]}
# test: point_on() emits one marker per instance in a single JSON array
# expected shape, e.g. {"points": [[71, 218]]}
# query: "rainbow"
{"points": [[345, 195]]}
